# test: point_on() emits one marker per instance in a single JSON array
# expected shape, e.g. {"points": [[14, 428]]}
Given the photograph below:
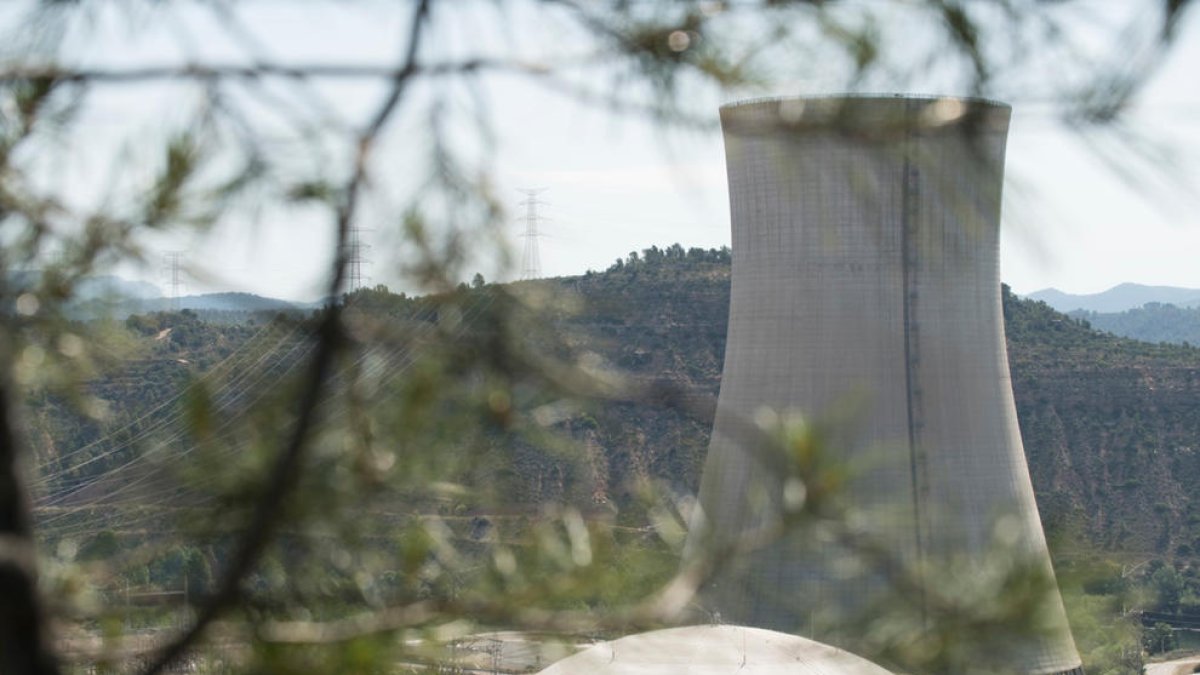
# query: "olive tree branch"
{"points": [[23, 641]]}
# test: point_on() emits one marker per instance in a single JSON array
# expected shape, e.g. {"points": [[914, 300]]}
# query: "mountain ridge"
{"points": [[1119, 298]]}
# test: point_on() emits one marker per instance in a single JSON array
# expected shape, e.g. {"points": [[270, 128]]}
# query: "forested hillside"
{"points": [[1111, 425], [1152, 322]]}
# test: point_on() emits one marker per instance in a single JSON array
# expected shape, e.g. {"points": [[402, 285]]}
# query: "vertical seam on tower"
{"points": [[908, 223]]}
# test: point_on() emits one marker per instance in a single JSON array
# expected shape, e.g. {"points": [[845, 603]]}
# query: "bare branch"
{"points": [[263, 70], [286, 471]]}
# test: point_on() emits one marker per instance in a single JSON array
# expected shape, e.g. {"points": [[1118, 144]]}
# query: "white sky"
{"points": [[617, 184]]}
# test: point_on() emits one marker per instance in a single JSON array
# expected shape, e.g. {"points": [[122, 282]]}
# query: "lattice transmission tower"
{"points": [[531, 260], [356, 259], [173, 269]]}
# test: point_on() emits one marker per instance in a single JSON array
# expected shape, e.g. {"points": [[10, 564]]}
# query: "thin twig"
{"points": [[287, 468], [263, 70]]}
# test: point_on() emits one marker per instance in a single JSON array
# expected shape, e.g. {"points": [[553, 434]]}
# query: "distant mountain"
{"points": [[233, 302], [109, 295], [116, 306], [1118, 298]]}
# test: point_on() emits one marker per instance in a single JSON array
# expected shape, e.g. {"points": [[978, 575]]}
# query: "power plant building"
{"points": [[866, 297], [713, 650]]}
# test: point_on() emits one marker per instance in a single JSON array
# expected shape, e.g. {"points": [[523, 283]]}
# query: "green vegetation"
{"points": [[1108, 426], [1152, 322], [352, 490]]}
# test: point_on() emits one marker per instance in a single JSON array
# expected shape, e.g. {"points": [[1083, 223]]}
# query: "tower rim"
{"points": [[846, 97], [867, 115]]}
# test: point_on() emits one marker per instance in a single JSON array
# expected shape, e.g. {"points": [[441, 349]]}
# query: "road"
{"points": [[1177, 667]]}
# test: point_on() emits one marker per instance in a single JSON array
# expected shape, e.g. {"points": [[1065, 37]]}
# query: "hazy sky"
{"points": [[1070, 221], [617, 183]]}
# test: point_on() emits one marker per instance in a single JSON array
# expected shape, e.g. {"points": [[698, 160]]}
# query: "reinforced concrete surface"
{"points": [[713, 650], [866, 289]]}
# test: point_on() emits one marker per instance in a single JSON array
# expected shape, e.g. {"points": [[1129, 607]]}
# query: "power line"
{"points": [[531, 260], [55, 512]]}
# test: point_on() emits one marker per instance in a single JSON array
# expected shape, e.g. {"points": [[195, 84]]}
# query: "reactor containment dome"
{"points": [[866, 278], [713, 650]]}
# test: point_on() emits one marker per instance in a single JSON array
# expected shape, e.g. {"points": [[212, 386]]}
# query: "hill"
{"points": [[221, 307], [107, 296], [1152, 322], [1110, 428], [1111, 425]]}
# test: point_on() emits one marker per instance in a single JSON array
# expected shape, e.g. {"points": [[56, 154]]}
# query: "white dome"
{"points": [[713, 650]]}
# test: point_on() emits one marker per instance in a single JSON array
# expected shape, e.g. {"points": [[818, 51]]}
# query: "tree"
{"points": [[1160, 638], [226, 159], [1168, 587]]}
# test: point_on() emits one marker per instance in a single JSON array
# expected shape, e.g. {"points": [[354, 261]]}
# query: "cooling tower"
{"points": [[866, 290]]}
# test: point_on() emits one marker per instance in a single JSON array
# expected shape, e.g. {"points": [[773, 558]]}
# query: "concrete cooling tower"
{"points": [[866, 279]]}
